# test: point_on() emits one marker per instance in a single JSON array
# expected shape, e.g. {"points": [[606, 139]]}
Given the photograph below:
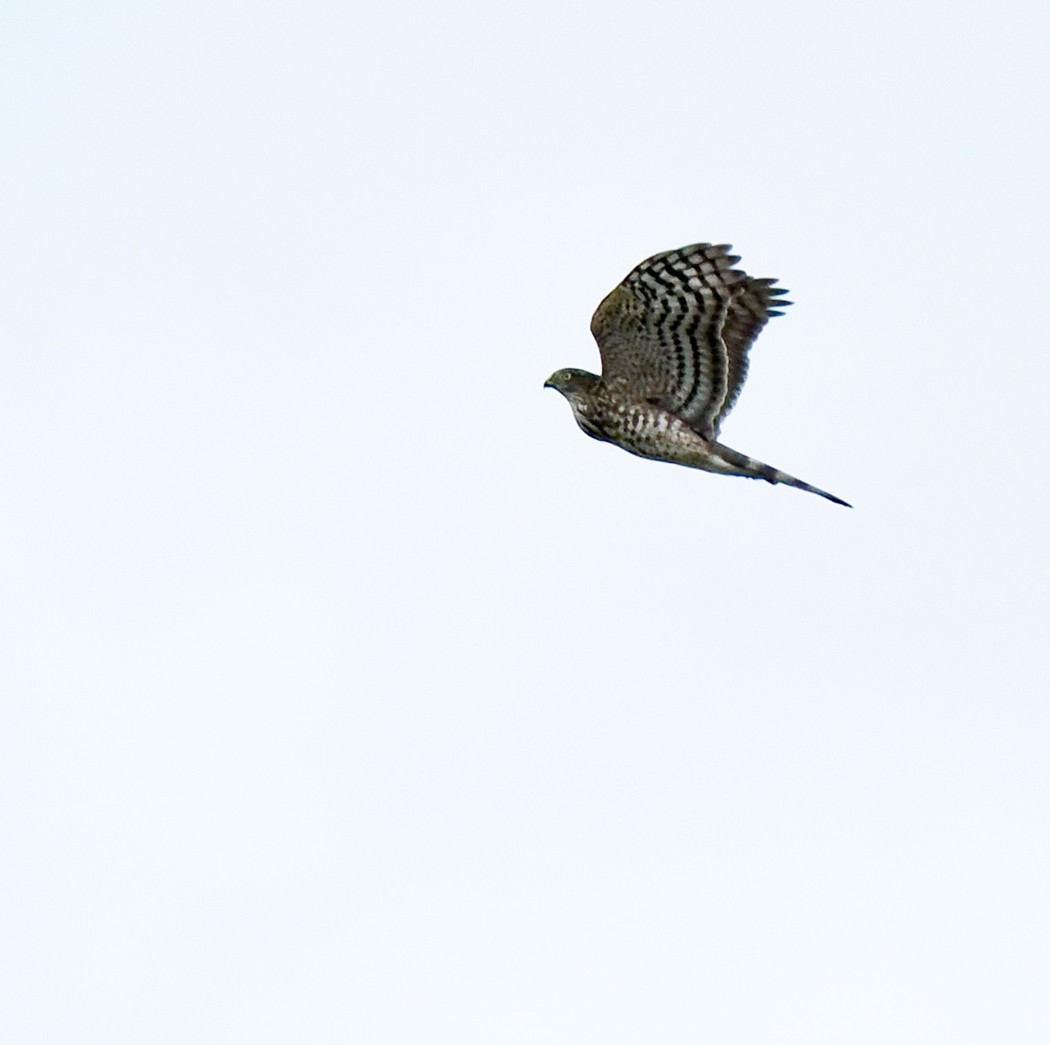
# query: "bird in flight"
{"points": [[674, 338]]}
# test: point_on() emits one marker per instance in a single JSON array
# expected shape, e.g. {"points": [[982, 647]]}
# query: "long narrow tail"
{"points": [[741, 464]]}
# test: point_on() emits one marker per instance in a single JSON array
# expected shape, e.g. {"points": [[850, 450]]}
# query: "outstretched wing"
{"points": [[754, 301], [678, 329]]}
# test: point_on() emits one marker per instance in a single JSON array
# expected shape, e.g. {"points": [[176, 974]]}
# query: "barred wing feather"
{"points": [[677, 332]]}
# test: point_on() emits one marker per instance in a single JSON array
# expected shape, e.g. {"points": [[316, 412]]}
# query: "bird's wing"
{"points": [[754, 301], [677, 331]]}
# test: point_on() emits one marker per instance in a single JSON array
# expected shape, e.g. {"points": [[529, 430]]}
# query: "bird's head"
{"points": [[572, 382]]}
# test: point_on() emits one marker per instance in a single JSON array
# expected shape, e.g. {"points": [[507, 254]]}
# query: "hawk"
{"points": [[674, 338]]}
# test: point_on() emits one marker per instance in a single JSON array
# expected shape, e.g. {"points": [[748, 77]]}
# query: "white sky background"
{"points": [[353, 695]]}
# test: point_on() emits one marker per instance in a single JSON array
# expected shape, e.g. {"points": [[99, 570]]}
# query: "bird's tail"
{"points": [[741, 464]]}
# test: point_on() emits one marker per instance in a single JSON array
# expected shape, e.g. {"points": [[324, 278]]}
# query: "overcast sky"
{"points": [[352, 694]]}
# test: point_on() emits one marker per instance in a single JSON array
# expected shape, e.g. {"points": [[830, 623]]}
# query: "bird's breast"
{"points": [[589, 424], [650, 431]]}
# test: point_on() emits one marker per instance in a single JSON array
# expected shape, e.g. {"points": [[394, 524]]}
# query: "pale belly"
{"points": [[651, 432]]}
